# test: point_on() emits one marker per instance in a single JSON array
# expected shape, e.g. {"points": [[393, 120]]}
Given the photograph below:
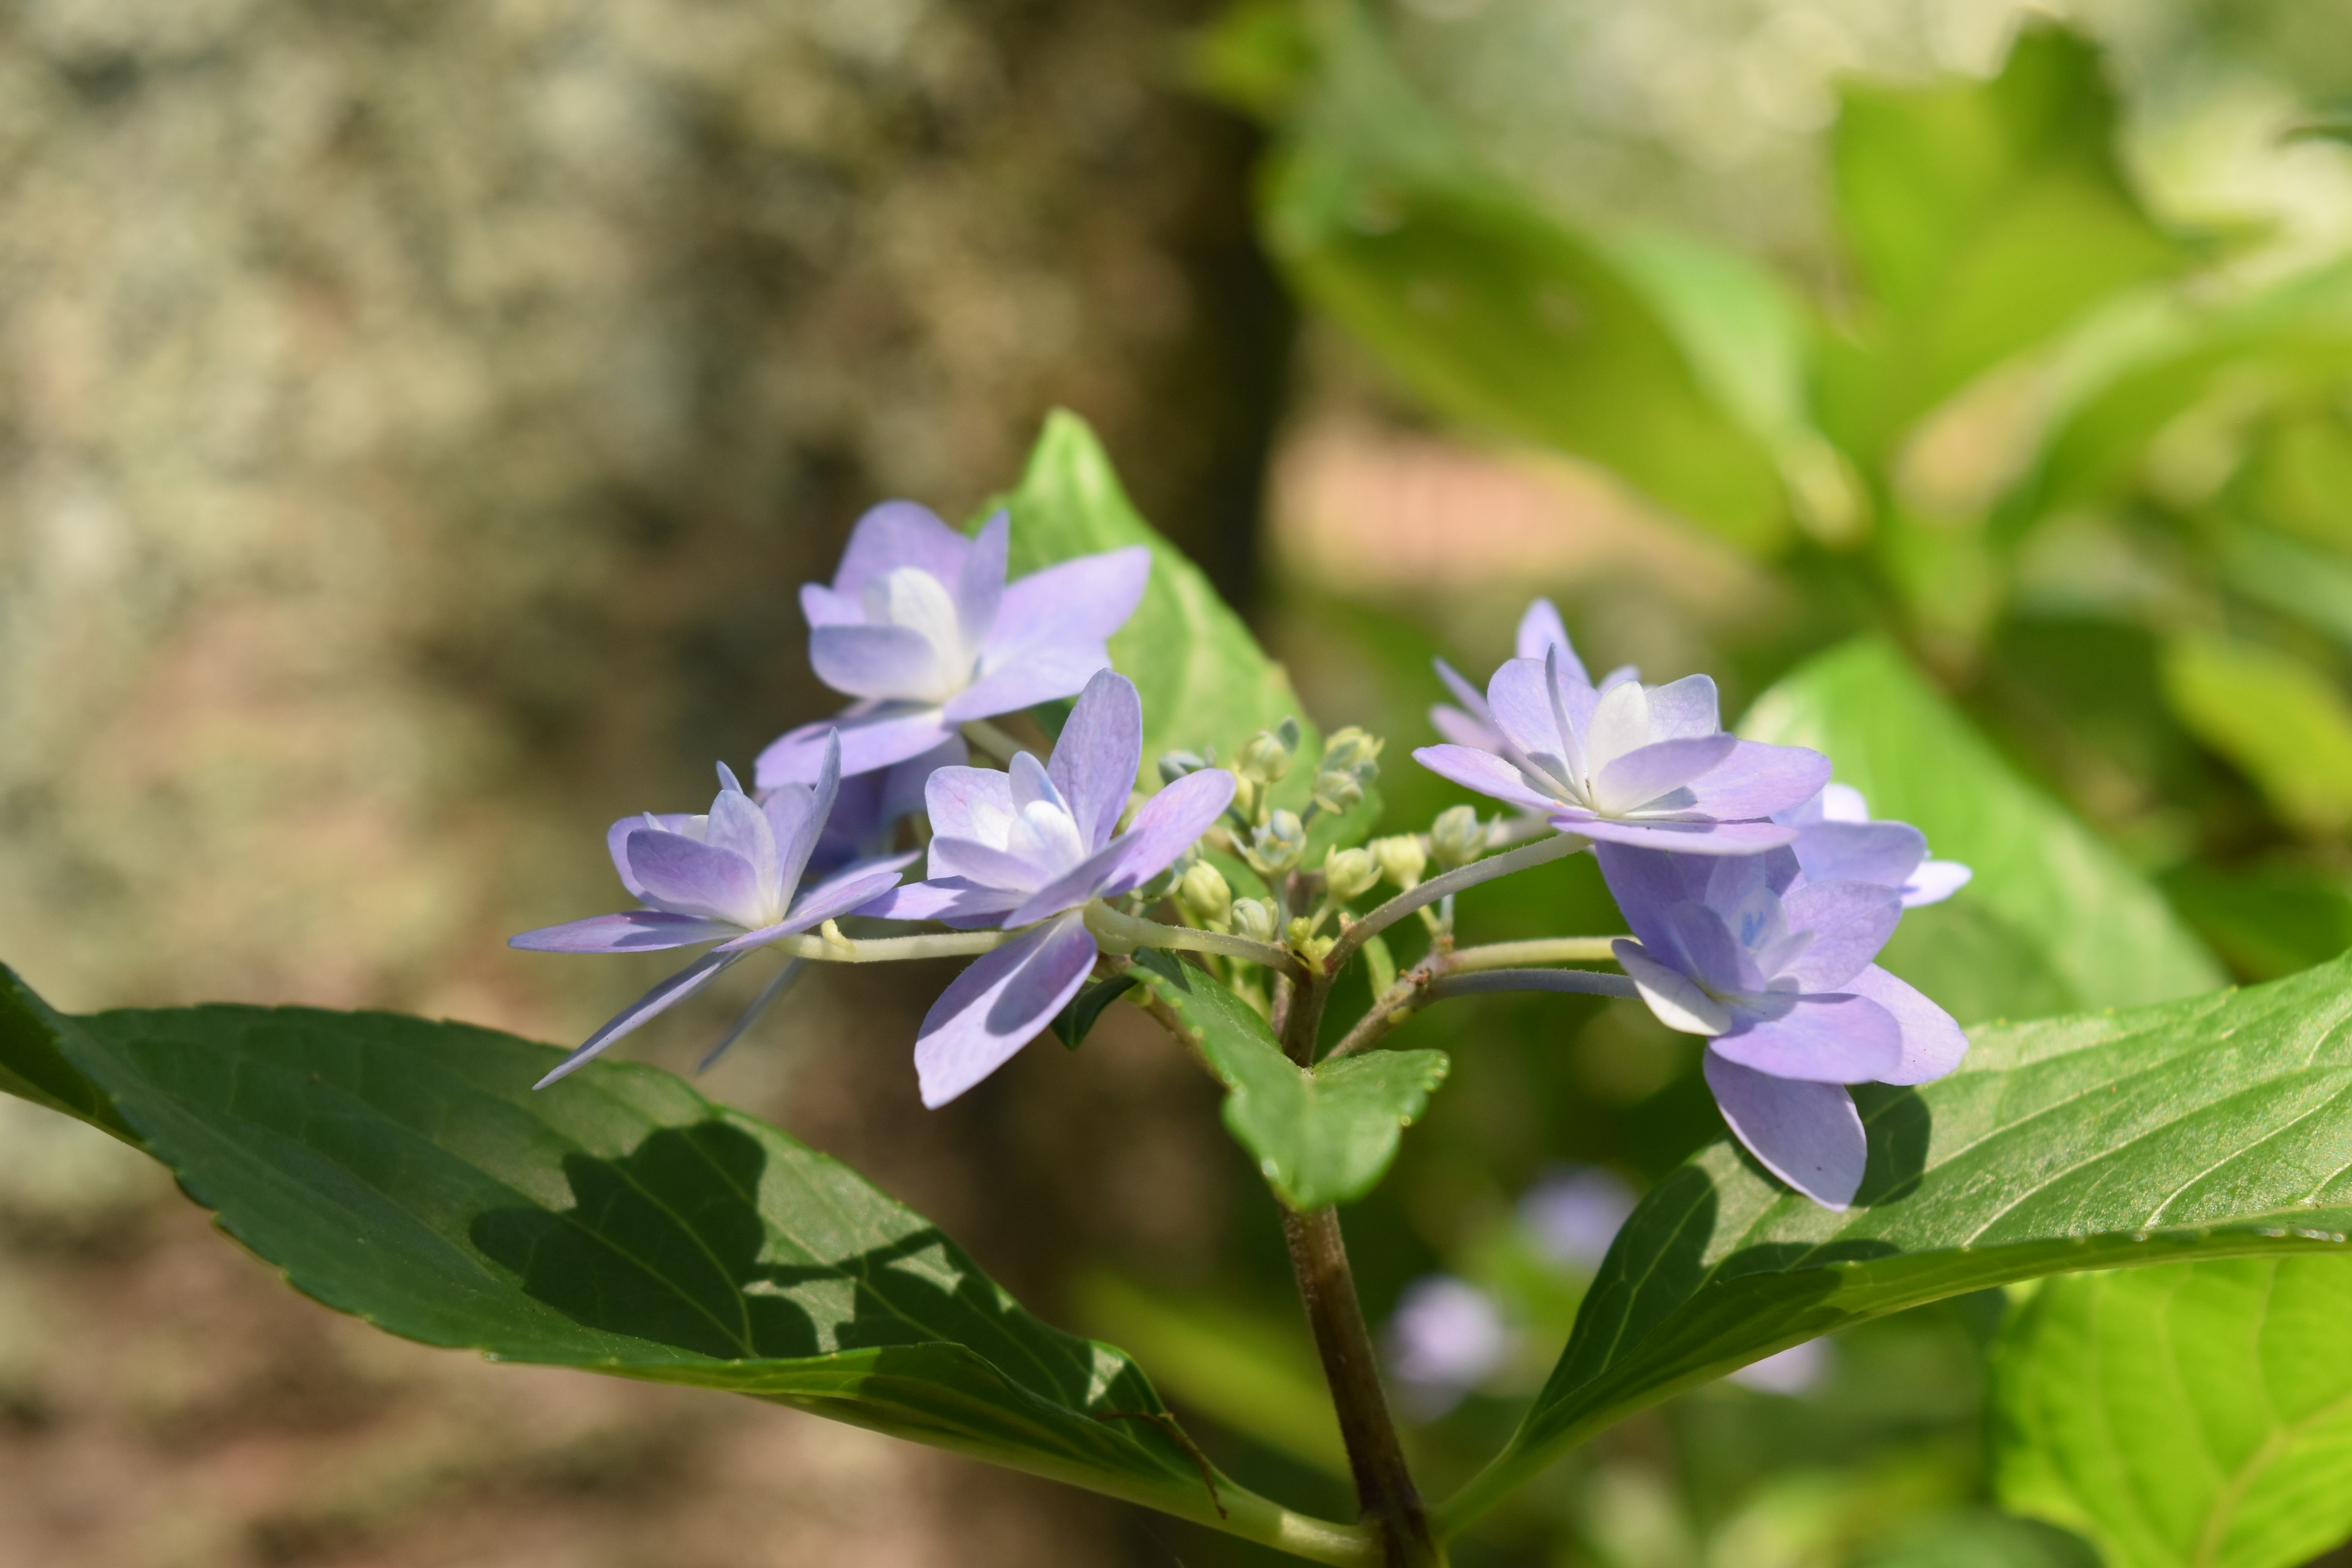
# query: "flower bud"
{"points": [[1174, 766], [1298, 933], [1457, 836], [1253, 918], [1204, 895], [1348, 873], [1401, 858], [1335, 793], [1267, 755], [1279, 843], [1353, 750]]}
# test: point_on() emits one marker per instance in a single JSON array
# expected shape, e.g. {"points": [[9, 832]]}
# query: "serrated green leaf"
{"points": [[2213, 1127], [2107, 934], [404, 1170], [1321, 1137], [2197, 1416], [1203, 679], [1495, 311]]}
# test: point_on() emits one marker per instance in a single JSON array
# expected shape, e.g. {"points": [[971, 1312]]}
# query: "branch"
{"points": [[831, 947], [1559, 847], [1123, 932], [1582, 981], [1548, 950]]}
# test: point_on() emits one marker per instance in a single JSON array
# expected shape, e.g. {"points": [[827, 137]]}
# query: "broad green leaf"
{"points": [[32, 1067], [406, 1171], [2268, 920], [1254, 1374], [2211, 1128], [2101, 928], [1497, 313], [1980, 1538], [2280, 723], [1983, 218], [2197, 1416], [1320, 1137], [1074, 1023], [1203, 679], [2286, 574]]}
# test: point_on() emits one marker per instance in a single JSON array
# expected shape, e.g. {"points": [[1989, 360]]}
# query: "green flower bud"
{"points": [[1457, 836], [1348, 873], [1174, 766], [1267, 756], [1279, 843], [1335, 793], [1253, 918], [1299, 934], [1353, 751], [1402, 858], [1204, 895]]}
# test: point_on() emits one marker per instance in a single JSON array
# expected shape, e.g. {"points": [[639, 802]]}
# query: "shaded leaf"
{"points": [[2197, 1416], [2212, 1128], [2107, 934], [406, 1171], [1319, 1137], [2280, 723], [1074, 1023], [2268, 920]]}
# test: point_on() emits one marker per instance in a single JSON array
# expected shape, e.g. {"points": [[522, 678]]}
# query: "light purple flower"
{"points": [[1574, 1213], [1446, 1338], [922, 627], [1774, 969], [1540, 630], [1798, 1370], [732, 877], [1837, 840], [870, 805], [1033, 848], [1630, 764]]}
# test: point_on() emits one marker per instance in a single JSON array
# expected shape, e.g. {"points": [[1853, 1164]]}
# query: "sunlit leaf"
{"points": [[1321, 1137], [2197, 1416], [404, 1170], [2211, 1128], [2098, 926], [2284, 724]]}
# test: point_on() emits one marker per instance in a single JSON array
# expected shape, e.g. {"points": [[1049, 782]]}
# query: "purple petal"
{"points": [[1757, 780], [1078, 603], [1484, 771], [670, 992], [820, 607], [998, 1005], [1095, 761], [1660, 768], [1646, 883], [1539, 631], [1716, 958], [1807, 1134], [951, 900], [1681, 837], [1518, 699], [798, 814], [1027, 679], [844, 894], [793, 970], [1473, 701], [873, 735], [1886, 853], [1933, 1044], [688, 877], [1850, 922], [984, 863], [970, 802], [616, 841], [1684, 708], [1935, 881], [883, 663], [739, 827], [637, 931], [899, 534], [1677, 1000], [1836, 1038], [1462, 728], [979, 588], [1165, 825]]}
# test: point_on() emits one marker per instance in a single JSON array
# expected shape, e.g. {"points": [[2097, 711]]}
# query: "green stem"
{"points": [[1559, 846], [1124, 934], [987, 737], [832, 947], [1548, 950]]}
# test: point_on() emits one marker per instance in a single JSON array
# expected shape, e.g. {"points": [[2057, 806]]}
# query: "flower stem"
{"points": [[987, 737], [1492, 967], [1548, 950], [1582, 981], [1119, 933], [834, 948], [1558, 847]]}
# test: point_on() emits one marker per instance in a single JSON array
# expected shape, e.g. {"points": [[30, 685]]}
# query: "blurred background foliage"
{"points": [[419, 417]]}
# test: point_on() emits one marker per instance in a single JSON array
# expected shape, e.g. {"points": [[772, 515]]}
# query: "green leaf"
{"points": [[1320, 1137], [2205, 1129], [1203, 679], [2268, 920], [1074, 1023], [406, 1171], [1495, 312], [32, 1067], [2197, 1416], [2107, 934], [1982, 216], [2280, 723]]}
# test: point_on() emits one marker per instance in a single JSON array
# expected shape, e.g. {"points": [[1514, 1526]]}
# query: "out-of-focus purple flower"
{"points": [[1036, 845], [1446, 1338], [1800, 1368], [870, 805], [732, 876], [1472, 724], [922, 627], [1774, 969], [1838, 841], [1575, 1212], [1632, 765]]}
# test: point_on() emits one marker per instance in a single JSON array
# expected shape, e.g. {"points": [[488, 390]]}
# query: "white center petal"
{"points": [[911, 597], [1620, 724], [1045, 834]]}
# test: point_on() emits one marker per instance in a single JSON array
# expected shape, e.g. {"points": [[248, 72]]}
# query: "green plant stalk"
{"points": [[1559, 847]]}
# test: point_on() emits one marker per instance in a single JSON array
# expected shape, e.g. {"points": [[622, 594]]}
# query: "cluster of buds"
{"points": [[1351, 759], [1264, 762]]}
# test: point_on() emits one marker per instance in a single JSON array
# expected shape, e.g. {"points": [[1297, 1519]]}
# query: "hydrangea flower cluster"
{"points": [[1758, 891]]}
